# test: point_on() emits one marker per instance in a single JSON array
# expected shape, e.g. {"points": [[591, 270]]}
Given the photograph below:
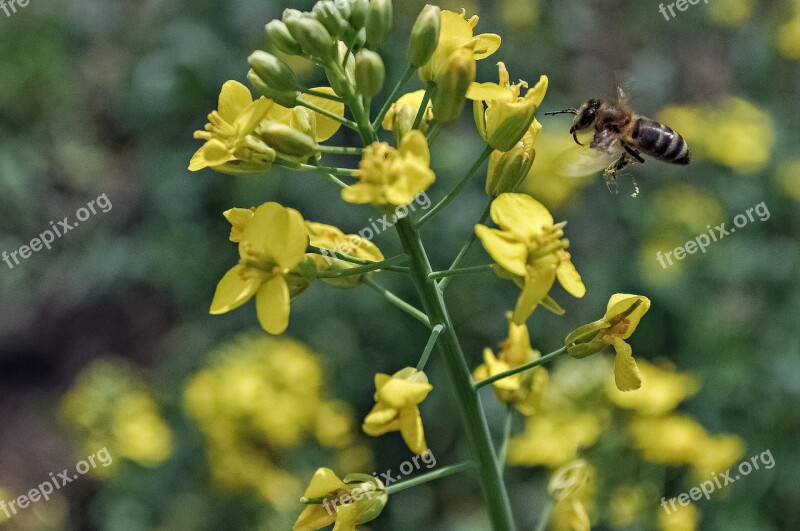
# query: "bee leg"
{"points": [[633, 153]]}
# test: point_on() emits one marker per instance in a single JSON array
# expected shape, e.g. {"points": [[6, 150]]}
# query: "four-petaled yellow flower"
{"points": [[507, 116], [272, 244], [331, 238], [618, 324], [389, 176], [397, 399], [229, 133], [457, 32], [357, 499], [523, 389], [529, 248]]}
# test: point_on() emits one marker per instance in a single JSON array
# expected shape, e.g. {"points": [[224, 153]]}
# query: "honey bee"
{"points": [[620, 138]]}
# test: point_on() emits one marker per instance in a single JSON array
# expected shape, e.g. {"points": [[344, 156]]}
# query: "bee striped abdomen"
{"points": [[661, 142]]}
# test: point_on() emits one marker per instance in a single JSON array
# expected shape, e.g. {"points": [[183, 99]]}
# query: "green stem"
{"points": [[433, 132], [323, 95], [327, 253], [430, 476], [359, 270], [398, 302], [340, 150], [311, 168], [393, 97], [465, 249], [460, 186], [507, 426], [460, 272], [328, 114], [521, 368], [335, 180], [423, 360], [545, 519], [426, 98]]}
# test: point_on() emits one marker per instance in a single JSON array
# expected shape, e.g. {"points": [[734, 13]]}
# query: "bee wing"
{"points": [[582, 161]]}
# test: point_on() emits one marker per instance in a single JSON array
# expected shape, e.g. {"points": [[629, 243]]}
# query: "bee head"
{"points": [[585, 116]]}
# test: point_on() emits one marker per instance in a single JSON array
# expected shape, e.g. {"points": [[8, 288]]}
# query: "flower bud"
{"points": [[370, 73], [281, 39], [508, 170], [371, 496], [287, 140], [311, 35], [569, 478], [358, 13], [511, 121], [273, 71], [379, 22], [331, 17], [452, 85], [425, 35], [286, 99]]}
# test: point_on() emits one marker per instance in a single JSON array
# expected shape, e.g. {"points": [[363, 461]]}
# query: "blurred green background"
{"points": [[102, 97]]}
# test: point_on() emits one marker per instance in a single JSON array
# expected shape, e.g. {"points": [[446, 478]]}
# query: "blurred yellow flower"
{"points": [[457, 32], [627, 505], [502, 115], [685, 518], [389, 176], [731, 13], [524, 389], [272, 244], [553, 440], [788, 37], [672, 440], [141, 435], [357, 499], [573, 487], [529, 249], [331, 238], [397, 399], [618, 324], [662, 391], [715, 454], [789, 179]]}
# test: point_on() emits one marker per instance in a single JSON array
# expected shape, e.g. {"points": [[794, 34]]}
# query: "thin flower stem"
{"points": [[460, 272], [521, 368], [328, 253], [465, 249], [393, 97], [430, 476], [398, 302], [507, 426], [545, 519], [335, 180], [323, 95], [426, 98], [423, 360], [433, 132], [328, 114], [460, 186], [358, 270], [345, 172], [340, 150]]}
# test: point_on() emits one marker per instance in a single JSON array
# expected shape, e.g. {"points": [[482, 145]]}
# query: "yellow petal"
{"points": [[570, 279], [487, 92], [520, 214], [621, 302], [504, 248], [412, 431], [400, 393], [314, 517], [626, 373], [455, 32], [238, 218], [537, 285], [326, 127], [238, 285], [250, 117], [346, 517], [233, 99], [486, 44], [278, 232], [416, 145], [324, 482], [380, 420], [212, 153], [272, 305]]}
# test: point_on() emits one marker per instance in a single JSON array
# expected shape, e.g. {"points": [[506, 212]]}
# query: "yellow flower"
{"points": [[716, 453], [669, 440], [524, 389], [507, 116], [457, 32], [389, 176], [553, 440], [618, 324], [403, 112], [529, 248], [683, 518], [573, 488], [331, 238], [397, 398], [273, 243], [313, 124], [663, 390], [229, 133], [357, 499]]}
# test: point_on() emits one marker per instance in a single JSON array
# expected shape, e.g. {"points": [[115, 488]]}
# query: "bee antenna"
{"points": [[565, 111]]}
